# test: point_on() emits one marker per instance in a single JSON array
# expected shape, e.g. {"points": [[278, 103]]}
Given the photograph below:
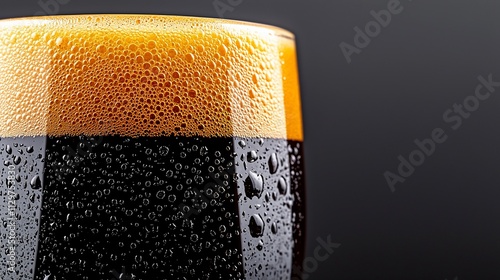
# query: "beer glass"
{"points": [[149, 147]]}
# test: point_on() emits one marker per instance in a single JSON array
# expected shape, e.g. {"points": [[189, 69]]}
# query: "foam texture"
{"points": [[134, 75]]}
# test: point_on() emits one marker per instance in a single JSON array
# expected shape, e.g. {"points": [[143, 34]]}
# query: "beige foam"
{"points": [[146, 76]]}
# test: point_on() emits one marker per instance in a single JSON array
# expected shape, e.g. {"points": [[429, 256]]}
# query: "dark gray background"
{"points": [[443, 222]]}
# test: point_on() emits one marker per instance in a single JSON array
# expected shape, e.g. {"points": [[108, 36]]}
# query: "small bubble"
{"points": [[101, 49], [222, 50], [189, 57], [172, 52]]}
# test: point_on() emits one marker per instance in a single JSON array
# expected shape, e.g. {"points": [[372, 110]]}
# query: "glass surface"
{"points": [[149, 147]]}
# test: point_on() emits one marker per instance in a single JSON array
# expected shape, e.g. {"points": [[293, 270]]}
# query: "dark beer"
{"points": [[147, 147]]}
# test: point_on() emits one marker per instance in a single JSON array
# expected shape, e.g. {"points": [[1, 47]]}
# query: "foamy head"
{"points": [[134, 75]]}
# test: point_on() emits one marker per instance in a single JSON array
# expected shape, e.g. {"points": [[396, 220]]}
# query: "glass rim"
{"points": [[279, 31]]}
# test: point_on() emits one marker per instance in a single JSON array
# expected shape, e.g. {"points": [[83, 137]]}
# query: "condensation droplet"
{"points": [[17, 160], [256, 225], [260, 246], [252, 156], [160, 194], [274, 228], [36, 183], [163, 150], [254, 185], [282, 186], [273, 163]]}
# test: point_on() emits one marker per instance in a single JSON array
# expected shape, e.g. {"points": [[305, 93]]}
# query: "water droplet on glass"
{"points": [[282, 186], [17, 160], [36, 183], [260, 246], [273, 163], [160, 194], [88, 213], [252, 156], [163, 150], [222, 228], [256, 225], [274, 228], [254, 185], [242, 143], [8, 149], [194, 238]]}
